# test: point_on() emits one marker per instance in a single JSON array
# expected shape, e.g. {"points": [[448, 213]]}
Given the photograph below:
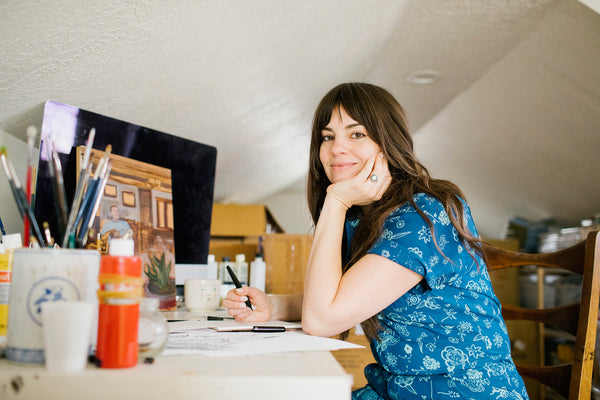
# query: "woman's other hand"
{"points": [[366, 187], [236, 306]]}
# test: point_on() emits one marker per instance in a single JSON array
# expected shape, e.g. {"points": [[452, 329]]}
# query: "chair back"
{"points": [[573, 380]]}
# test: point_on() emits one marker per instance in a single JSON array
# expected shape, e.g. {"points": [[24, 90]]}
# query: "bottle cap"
{"points": [[240, 258], [121, 247], [12, 241]]}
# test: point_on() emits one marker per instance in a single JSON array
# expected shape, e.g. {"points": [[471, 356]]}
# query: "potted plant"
{"points": [[160, 284]]}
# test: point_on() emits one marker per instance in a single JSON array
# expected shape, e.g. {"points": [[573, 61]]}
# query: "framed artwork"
{"points": [[135, 208], [110, 190], [128, 199]]}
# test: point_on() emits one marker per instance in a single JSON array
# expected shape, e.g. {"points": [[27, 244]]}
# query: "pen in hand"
{"points": [[237, 284]]}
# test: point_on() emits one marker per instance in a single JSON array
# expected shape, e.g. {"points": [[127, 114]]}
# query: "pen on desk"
{"points": [[268, 329], [237, 284], [255, 328], [2, 228]]}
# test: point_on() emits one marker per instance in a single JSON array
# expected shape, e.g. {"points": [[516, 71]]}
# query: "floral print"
{"points": [[445, 338]]}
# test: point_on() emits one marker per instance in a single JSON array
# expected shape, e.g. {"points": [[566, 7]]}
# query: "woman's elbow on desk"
{"points": [[320, 325]]}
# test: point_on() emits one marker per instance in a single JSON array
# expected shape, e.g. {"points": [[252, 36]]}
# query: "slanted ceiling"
{"points": [[514, 117]]}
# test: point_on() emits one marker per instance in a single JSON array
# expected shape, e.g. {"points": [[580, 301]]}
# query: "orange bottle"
{"points": [[119, 297]]}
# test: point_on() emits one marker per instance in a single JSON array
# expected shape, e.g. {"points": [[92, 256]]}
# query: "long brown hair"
{"points": [[385, 121]]}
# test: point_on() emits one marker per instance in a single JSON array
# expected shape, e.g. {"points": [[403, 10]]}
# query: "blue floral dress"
{"points": [[445, 338]]}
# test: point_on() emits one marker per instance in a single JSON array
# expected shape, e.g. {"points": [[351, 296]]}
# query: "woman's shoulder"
{"points": [[424, 201], [429, 206]]}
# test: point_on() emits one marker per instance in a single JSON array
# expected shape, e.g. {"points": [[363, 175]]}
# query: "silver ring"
{"points": [[373, 178]]}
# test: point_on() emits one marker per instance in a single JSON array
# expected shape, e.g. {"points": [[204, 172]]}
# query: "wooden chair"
{"points": [[572, 380]]}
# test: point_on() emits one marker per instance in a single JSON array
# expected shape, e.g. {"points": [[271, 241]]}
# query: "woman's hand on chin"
{"points": [[366, 187]]}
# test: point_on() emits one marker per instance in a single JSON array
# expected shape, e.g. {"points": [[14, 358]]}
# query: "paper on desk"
{"points": [[184, 339], [184, 326]]}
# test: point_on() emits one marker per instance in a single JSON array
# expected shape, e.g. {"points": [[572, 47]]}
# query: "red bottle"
{"points": [[119, 296]]}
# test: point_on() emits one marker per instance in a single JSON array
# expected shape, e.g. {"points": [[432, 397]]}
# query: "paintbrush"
{"points": [[82, 183], [31, 134], [19, 194]]}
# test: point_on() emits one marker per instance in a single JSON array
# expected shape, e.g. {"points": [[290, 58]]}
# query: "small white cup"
{"points": [[67, 327], [202, 294]]}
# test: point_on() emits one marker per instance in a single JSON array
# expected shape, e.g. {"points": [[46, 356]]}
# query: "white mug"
{"points": [[202, 294], [45, 275]]}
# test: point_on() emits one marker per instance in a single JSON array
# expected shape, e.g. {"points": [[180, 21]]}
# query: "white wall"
{"points": [[290, 210], [17, 153]]}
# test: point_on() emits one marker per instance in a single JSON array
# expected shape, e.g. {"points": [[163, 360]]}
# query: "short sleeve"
{"points": [[407, 240]]}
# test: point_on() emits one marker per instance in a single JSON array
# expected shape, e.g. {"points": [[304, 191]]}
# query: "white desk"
{"points": [[297, 375]]}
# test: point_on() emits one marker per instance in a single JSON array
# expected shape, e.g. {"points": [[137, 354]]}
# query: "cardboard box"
{"points": [[239, 220], [233, 246], [237, 229], [286, 256]]}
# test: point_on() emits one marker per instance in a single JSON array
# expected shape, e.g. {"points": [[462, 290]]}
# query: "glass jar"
{"points": [[153, 330]]}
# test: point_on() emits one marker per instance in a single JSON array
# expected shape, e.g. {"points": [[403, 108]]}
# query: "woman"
{"points": [[395, 250]]}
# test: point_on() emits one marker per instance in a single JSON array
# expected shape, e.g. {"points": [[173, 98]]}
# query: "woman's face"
{"points": [[345, 147]]}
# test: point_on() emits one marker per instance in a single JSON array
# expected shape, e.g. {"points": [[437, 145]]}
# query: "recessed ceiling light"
{"points": [[423, 77]]}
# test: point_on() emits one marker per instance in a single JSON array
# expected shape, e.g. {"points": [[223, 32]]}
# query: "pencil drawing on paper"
{"points": [[137, 203]]}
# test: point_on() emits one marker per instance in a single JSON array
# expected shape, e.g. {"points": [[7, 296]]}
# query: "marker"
{"points": [[237, 284], [268, 329], [255, 328]]}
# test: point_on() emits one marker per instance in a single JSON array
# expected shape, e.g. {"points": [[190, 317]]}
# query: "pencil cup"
{"points": [[40, 276], [202, 294], [67, 327]]}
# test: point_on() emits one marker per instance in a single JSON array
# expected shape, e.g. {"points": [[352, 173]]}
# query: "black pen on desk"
{"points": [[237, 284], [268, 329], [2, 228]]}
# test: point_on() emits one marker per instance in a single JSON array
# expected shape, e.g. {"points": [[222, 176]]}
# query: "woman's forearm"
{"points": [[324, 269]]}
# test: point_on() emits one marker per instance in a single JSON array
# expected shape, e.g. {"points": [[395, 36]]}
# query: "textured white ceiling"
{"points": [[514, 118]]}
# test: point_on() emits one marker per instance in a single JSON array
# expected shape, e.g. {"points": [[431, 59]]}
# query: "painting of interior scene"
{"points": [[137, 203]]}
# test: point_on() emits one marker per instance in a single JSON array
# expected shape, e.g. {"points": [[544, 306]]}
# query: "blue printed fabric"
{"points": [[445, 338]]}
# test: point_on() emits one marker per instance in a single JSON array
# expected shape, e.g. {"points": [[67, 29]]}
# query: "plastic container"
{"points": [[241, 268], [9, 243], [153, 330], [223, 275], [119, 312], [212, 267], [258, 272]]}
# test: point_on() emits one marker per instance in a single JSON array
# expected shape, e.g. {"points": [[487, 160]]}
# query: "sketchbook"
{"points": [[201, 337]]}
